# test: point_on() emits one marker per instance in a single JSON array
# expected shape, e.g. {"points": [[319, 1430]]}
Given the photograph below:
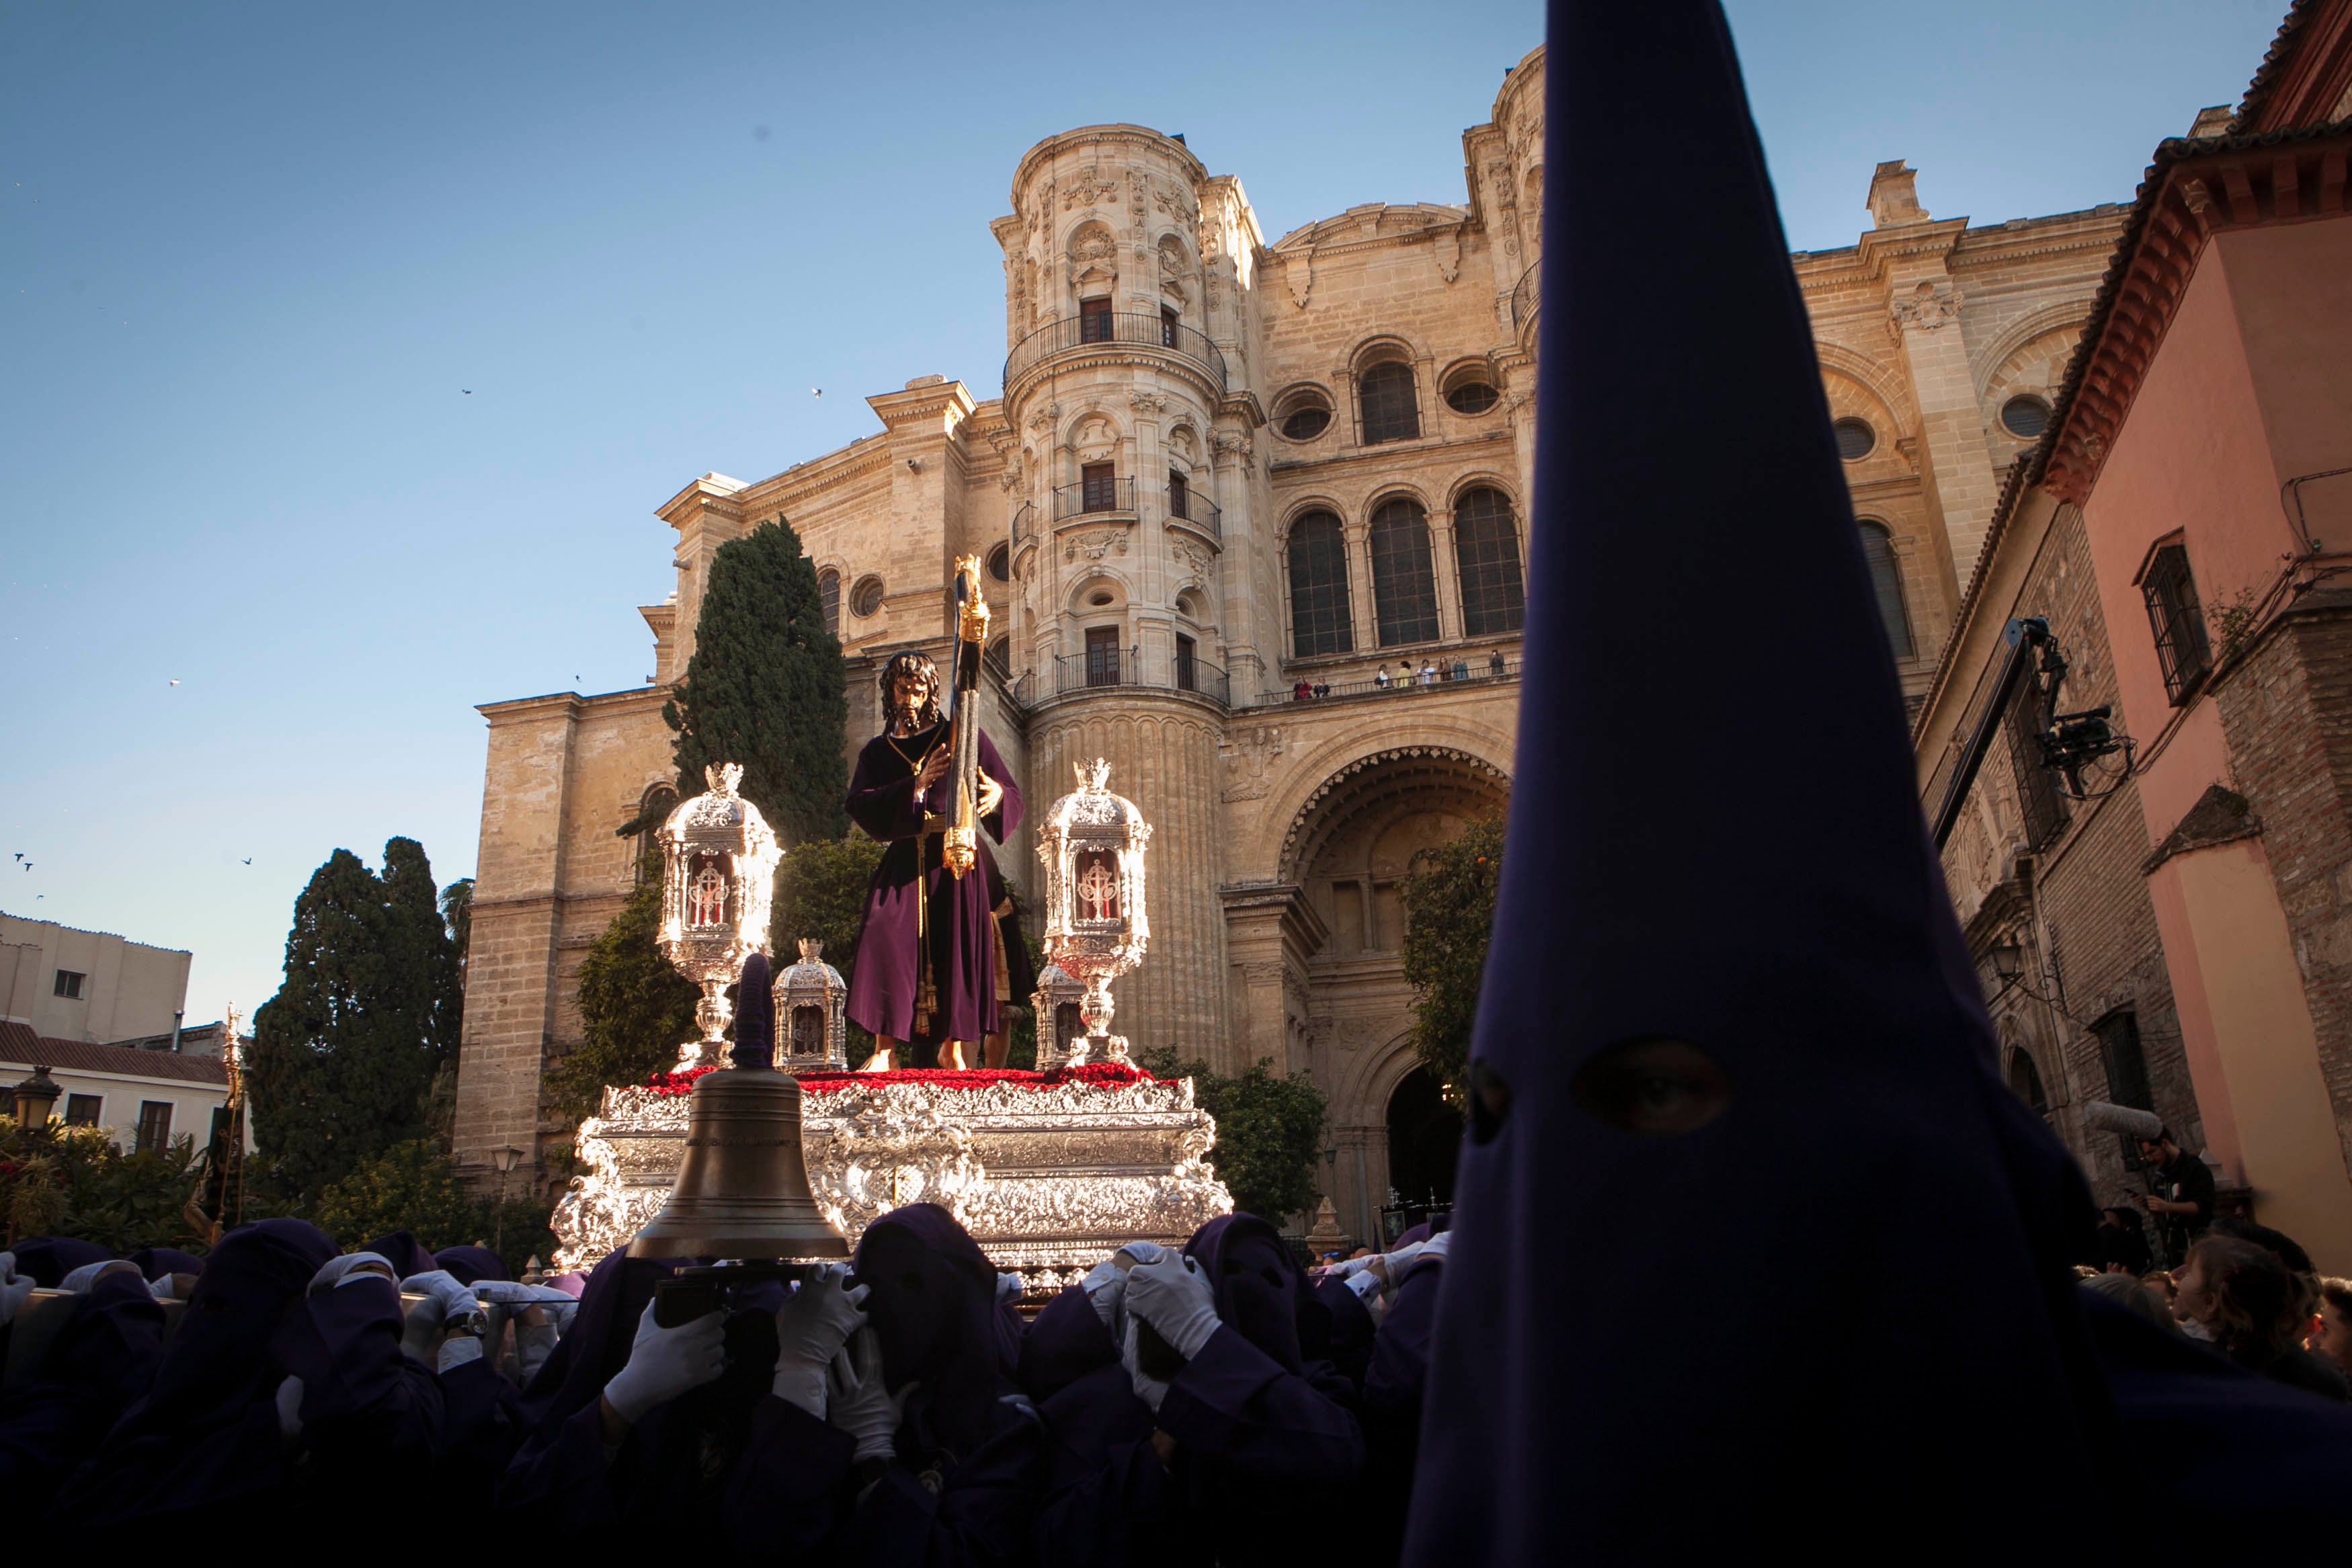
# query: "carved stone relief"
{"points": [[1248, 757], [1089, 189], [1933, 304], [1093, 544]]}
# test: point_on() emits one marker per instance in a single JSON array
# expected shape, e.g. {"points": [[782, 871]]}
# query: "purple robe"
{"points": [[100, 1362], [885, 977]]}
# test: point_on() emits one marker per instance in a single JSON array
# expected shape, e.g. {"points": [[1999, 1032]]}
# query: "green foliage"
{"points": [[1449, 913], [765, 687], [635, 1011], [457, 915], [1269, 1131], [344, 1055], [56, 1180], [411, 1186], [820, 892]]}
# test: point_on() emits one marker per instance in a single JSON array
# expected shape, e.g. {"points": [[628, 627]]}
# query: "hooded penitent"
{"points": [[469, 1264], [206, 1430], [402, 1249], [48, 1260], [933, 1308], [1261, 1292], [1729, 1031]]}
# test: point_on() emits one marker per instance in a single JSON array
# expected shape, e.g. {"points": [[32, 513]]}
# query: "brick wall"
{"points": [[2286, 711]]}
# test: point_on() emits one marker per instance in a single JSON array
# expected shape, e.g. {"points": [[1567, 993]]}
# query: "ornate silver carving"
{"points": [[1092, 846], [718, 878], [1048, 1178], [811, 996]]}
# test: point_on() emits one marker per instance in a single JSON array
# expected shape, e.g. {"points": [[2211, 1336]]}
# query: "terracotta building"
{"points": [[2181, 937], [1223, 470]]}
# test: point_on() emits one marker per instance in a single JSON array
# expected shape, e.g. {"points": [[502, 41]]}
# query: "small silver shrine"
{"points": [[719, 880]]}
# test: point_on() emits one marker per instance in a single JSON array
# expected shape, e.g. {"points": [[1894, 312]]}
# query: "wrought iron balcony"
{"points": [[1527, 297], [1118, 326], [1024, 526], [1090, 496], [1190, 505], [1127, 667]]}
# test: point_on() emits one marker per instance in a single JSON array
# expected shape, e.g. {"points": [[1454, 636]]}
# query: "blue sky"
{"points": [[251, 255]]}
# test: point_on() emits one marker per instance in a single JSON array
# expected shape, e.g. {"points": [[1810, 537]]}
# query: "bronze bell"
{"points": [[742, 1189]]}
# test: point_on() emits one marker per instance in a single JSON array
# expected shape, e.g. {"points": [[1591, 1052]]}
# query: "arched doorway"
{"points": [[1424, 1137]]}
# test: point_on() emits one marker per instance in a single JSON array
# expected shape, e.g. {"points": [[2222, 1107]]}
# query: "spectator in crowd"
{"points": [[101, 1360], [1461, 671], [1301, 692], [1380, 677], [2121, 1241], [2246, 1300], [2331, 1339], [2158, 1283], [2181, 1195], [1428, 674], [1496, 667]]}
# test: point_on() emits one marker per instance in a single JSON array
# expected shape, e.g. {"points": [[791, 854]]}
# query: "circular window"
{"points": [[1307, 425], [866, 599], [1471, 397], [1854, 439], [2025, 415], [1000, 563], [1099, 599]]}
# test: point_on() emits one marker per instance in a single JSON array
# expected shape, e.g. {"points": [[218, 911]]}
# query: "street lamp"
{"points": [[506, 1159], [35, 1096], [2007, 963]]}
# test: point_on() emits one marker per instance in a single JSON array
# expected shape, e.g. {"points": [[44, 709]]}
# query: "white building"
{"points": [[145, 1098], [66, 984]]}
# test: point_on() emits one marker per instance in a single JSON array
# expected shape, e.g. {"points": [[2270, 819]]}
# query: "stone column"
{"points": [[1361, 1176], [1366, 629], [1449, 590], [1924, 315]]}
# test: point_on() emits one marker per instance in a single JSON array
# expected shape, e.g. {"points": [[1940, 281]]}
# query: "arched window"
{"points": [[828, 593], [1886, 582], [652, 810], [1404, 585], [2026, 1080], [1486, 559], [1000, 657], [1385, 396], [1319, 622]]}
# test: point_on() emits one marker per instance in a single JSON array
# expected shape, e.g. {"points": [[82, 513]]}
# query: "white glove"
{"points": [[1141, 1253], [1347, 1268], [1010, 1286], [1106, 1289], [1148, 1389], [290, 1409], [1365, 1284], [1398, 1261], [533, 1345], [666, 1363], [446, 1303], [1174, 1297], [83, 1278], [351, 1266], [457, 1350], [506, 1293], [812, 1326], [862, 1403], [14, 1288]]}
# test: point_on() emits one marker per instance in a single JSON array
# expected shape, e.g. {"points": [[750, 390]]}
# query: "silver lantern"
{"points": [[1092, 846], [1054, 1005], [718, 878], [811, 1029]]}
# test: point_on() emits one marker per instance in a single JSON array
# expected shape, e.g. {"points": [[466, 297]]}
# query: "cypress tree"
{"points": [[344, 1055], [765, 687]]}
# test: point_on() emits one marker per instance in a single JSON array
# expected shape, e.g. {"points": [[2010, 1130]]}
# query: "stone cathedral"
{"points": [[1253, 516]]}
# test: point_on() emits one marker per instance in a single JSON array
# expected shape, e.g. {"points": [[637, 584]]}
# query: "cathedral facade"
{"points": [[1254, 521]]}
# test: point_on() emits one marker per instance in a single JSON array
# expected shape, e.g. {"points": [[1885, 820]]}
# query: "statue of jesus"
{"points": [[931, 968]]}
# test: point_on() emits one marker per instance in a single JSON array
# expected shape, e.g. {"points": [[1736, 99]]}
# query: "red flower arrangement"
{"points": [[1109, 1074]]}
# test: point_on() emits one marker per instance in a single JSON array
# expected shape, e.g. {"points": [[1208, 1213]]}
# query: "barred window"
{"points": [[2179, 625], [2044, 808], [1887, 583], [828, 593], [1404, 583], [1486, 559], [1320, 621], [1385, 393]]}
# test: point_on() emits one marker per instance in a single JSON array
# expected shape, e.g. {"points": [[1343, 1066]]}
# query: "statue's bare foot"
{"points": [[877, 1062], [952, 1056]]}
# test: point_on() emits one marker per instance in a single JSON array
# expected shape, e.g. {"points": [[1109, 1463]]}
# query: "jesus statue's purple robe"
{"points": [[885, 979]]}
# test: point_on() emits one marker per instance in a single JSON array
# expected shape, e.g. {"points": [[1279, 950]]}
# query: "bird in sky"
{"points": [[175, 683], [467, 390], [28, 865], [20, 855], [816, 392], [248, 859]]}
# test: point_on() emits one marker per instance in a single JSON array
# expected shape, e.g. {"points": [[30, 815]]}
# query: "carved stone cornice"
{"points": [[2196, 189]]}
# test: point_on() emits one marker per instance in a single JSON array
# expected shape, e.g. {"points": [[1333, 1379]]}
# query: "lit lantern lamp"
{"points": [[1092, 846], [718, 879], [1054, 1005], [810, 998]]}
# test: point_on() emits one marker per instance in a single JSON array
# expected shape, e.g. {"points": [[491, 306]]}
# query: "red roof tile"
{"points": [[21, 1050]]}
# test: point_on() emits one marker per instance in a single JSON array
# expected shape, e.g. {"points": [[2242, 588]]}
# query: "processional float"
{"points": [[1049, 1171]]}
